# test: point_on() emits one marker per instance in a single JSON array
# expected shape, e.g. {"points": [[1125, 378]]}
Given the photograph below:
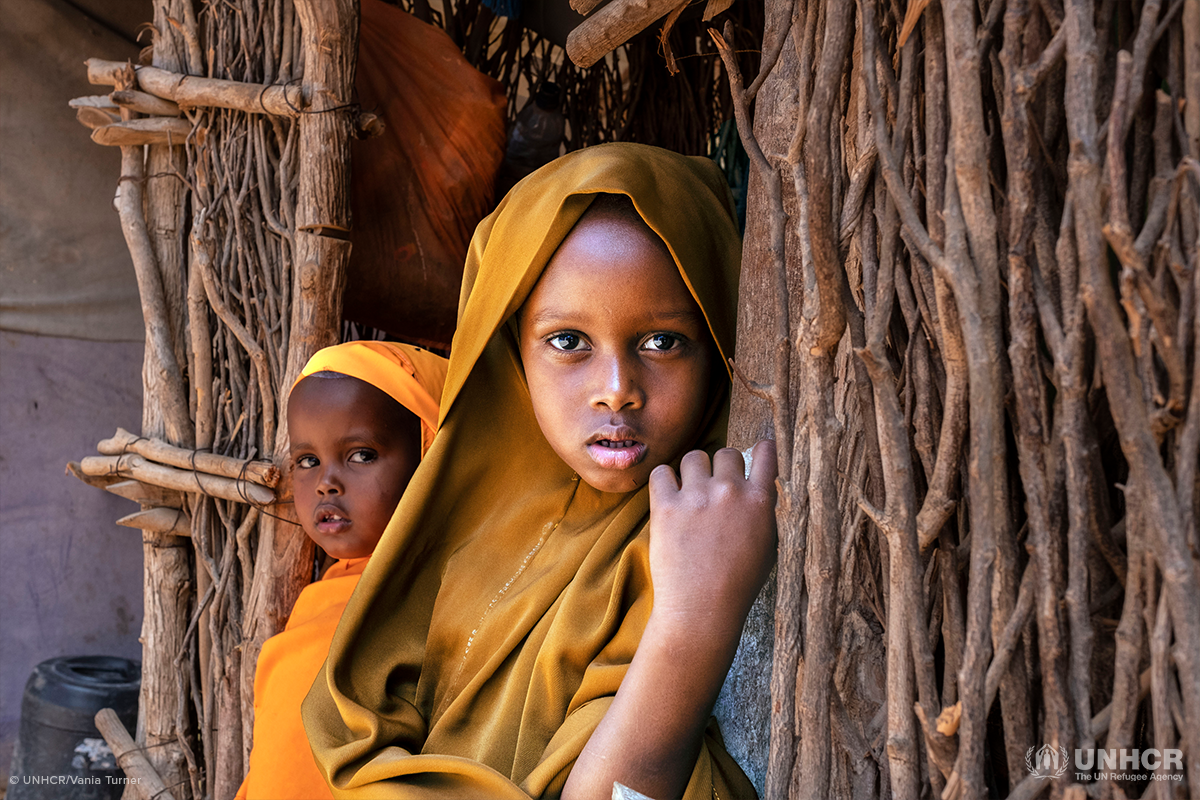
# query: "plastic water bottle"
{"points": [[535, 138]]}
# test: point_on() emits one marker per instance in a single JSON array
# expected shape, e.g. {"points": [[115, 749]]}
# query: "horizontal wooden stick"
{"points": [[146, 494], [144, 103], [91, 117], [261, 472], [612, 26], [152, 130], [159, 520], [193, 92], [135, 466], [94, 101], [99, 481], [95, 111], [144, 781]]}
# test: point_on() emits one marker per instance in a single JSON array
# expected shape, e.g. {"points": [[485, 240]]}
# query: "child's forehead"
{"points": [[611, 231], [606, 235], [618, 217], [592, 279], [325, 383], [327, 393]]}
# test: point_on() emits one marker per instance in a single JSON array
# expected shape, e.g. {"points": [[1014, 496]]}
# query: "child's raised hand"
{"points": [[712, 539]]}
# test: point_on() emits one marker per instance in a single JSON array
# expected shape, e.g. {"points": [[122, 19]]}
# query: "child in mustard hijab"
{"points": [[551, 608], [360, 418]]}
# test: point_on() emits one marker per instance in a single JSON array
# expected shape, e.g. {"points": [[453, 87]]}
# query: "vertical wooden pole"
{"points": [[166, 572], [760, 310], [1191, 71]]}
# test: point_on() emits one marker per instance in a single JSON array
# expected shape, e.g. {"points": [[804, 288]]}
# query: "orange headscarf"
{"points": [[411, 376], [281, 763], [505, 601]]}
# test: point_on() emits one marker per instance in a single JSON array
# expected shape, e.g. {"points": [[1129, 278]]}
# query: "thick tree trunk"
{"points": [[770, 748]]}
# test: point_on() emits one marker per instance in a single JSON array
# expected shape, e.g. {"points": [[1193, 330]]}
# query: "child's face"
{"points": [[616, 352], [353, 452]]}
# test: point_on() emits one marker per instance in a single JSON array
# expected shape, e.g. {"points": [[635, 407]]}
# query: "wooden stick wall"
{"points": [[969, 313], [240, 256], [970, 306]]}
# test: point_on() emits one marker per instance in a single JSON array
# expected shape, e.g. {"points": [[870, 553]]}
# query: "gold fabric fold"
{"points": [[505, 601]]}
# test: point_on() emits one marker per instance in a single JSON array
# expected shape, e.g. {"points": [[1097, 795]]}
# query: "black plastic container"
{"points": [[59, 753]]}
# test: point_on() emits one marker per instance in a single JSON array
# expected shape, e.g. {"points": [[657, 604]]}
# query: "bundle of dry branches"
{"points": [[159, 476], [970, 305]]}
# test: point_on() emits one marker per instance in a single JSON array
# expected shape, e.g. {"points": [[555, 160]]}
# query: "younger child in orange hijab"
{"points": [[360, 419]]}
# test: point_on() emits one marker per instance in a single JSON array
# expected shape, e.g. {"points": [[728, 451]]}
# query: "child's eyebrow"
{"points": [[371, 439], [685, 314], [555, 317]]}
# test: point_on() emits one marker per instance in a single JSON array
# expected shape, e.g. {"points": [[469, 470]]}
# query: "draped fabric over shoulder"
{"points": [[505, 601], [281, 766]]}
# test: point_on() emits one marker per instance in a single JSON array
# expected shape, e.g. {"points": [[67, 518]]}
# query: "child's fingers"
{"points": [[663, 482], [728, 464], [763, 466], [694, 467]]}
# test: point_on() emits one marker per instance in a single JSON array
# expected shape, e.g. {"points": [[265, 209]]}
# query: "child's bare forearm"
{"points": [[712, 543], [652, 733]]}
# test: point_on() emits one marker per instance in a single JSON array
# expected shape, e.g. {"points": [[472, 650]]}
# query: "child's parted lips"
{"points": [[614, 436], [331, 518], [616, 447]]}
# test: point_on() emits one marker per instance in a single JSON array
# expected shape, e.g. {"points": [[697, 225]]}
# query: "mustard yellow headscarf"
{"points": [[506, 599]]}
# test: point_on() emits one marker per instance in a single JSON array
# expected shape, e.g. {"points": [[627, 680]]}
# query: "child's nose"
{"points": [[330, 483], [617, 382]]}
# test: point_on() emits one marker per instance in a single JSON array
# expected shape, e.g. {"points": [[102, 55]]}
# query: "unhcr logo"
{"points": [[1047, 762], [1112, 765], [1128, 765]]}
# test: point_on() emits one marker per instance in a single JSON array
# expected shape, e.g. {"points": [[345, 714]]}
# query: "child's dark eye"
{"points": [[567, 342], [363, 456], [662, 342], [306, 462]]}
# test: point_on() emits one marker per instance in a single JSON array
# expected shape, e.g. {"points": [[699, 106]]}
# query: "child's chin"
{"points": [[344, 550], [616, 481]]}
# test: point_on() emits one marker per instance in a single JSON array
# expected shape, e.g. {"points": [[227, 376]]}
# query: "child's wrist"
{"points": [[697, 652]]}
